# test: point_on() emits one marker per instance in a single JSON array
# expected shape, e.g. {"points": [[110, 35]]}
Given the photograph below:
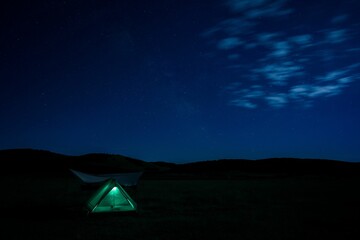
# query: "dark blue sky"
{"points": [[180, 81]]}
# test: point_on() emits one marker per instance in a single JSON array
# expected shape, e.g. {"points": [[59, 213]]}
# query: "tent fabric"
{"points": [[110, 197], [125, 179]]}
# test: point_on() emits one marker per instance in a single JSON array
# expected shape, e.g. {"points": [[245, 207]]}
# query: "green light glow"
{"points": [[111, 197]]}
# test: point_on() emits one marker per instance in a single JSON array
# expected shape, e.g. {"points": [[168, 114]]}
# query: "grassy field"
{"points": [[309, 207]]}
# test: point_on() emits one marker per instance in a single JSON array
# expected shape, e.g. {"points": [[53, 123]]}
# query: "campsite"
{"points": [[194, 201]]}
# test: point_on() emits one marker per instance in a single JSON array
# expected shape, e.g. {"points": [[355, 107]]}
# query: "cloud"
{"points": [[277, 100], [280, 60], [249, 10], [353, 66], [230, 27], [339, 18], [325, 91], [245, 97], [242, 5], [299, 91], [328, 85], [280, 73], [229, 43], [336, 36], [243, 103], [233, 56], [259, 8], [269, 12], [345, 80], [281, 49], [331, 76], [266, 38], [306, 92], [254, 94], [353, 50], [303, 40]]}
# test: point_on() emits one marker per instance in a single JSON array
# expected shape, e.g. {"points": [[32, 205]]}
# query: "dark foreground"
{"points": [[302, 207]]}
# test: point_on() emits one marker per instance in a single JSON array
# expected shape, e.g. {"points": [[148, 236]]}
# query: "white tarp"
{"points": [[125, 179]]}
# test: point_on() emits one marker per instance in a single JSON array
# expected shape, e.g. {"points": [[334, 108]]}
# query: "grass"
{"points": [[309, 207]]}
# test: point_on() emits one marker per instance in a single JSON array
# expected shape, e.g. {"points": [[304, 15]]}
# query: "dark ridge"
{"points": [[165, 165], [30, 161], [28, 153], [268, 167], [109, 163]]}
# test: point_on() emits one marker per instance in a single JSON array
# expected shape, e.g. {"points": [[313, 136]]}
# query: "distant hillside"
{"points": [[40, 161], [107, 163], [238, 168], [30, 161]]}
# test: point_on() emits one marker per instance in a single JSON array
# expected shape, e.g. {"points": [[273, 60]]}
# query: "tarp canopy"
{"points": [[110, 197], [125, 179]]}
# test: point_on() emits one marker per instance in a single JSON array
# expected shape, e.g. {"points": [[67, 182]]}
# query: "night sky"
{"points": [[181, 81]]}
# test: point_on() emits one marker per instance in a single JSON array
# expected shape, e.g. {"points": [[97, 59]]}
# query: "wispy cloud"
{"points": [[272, 10], [315, 91], [353, 50], [345, 80], [281, 49], [279, 73], [304, 95], [339, 18], [230, 27], [308, 92], [330, 76], [242, 5], [245, 97], [325, 91], [281, 66], [277, 100], [266, 38], [303, 40], [336, 36], [353, 66], [243, 103], [329, 85], [259, 8], [229, 43], [299, 91]]}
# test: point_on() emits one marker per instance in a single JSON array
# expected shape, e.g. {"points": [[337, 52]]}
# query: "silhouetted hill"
{"points": [[234, 168], [30, 161], [45, 162], [108, 163]]}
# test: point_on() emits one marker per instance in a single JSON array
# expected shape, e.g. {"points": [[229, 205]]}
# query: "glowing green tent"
{"points": [[110, 197]]}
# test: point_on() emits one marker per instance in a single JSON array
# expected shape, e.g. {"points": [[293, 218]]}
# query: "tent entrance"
{"points": [[111, 197]]}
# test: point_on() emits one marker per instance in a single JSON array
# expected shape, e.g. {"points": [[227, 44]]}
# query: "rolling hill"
{"points": [[29, 161], [14, 161]]}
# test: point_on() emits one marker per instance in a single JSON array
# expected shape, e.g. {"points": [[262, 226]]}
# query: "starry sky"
{"points": [[182, 81]]}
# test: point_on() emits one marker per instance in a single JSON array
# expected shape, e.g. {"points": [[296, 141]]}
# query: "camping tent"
{"points": [[110, 197], [125, 179]]}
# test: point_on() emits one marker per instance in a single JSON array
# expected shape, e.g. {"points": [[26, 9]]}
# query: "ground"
{"points": [[301, 207]]}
